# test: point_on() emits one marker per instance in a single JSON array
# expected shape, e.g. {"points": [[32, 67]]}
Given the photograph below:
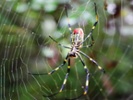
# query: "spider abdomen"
{"points": [[77, 36]]}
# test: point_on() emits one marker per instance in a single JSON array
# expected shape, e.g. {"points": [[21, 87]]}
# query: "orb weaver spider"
{"points": [[77, 40]]}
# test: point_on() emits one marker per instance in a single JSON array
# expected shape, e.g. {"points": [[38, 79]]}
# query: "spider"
{"points": [[77, 40]]}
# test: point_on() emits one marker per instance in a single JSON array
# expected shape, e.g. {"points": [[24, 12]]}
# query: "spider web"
{"points": [[26, 47]]}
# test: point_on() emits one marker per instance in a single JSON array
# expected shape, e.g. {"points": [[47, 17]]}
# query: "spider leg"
{"points": [[99, 67], [87, 46], [54, 70], [59, 43], [93, 27], [87, 78], [64, 82]]}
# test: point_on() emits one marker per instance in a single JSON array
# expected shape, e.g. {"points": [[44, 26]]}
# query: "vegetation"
{"points": [[25, 47]]}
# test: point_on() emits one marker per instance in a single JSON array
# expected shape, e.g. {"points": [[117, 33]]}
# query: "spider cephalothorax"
{"points": [[77, 40]]}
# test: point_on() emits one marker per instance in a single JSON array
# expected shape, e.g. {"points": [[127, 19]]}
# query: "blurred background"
{"points": [[25, 46]]}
